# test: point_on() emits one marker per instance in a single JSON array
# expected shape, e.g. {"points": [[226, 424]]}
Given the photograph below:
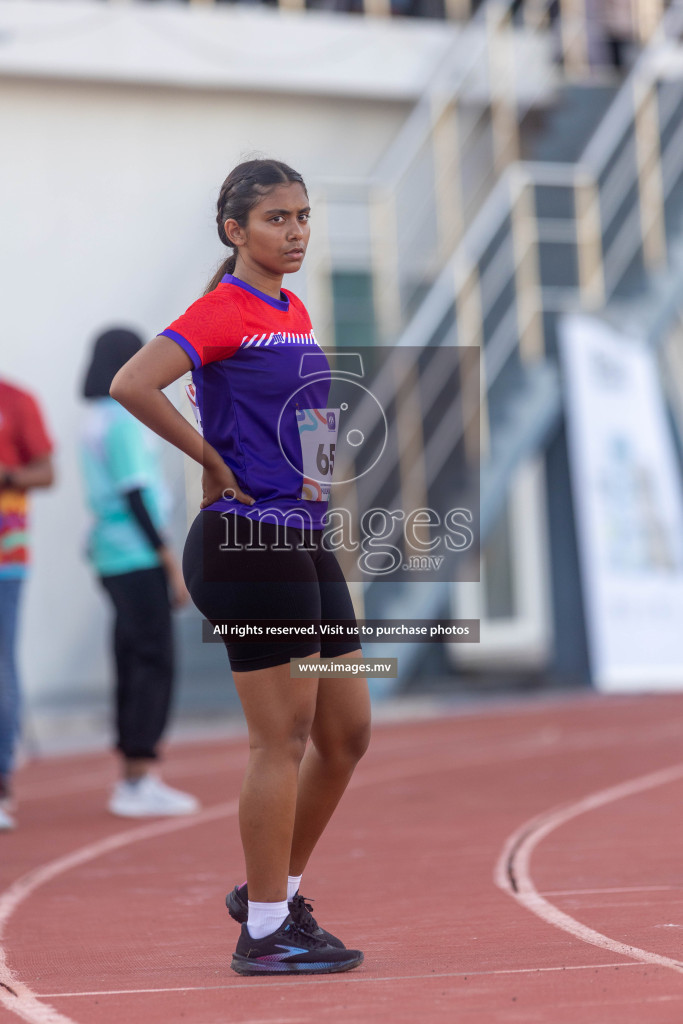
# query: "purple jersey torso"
{"points": [[262, 383]]}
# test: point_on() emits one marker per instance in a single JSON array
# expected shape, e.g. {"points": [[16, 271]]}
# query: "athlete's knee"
{"points": [[358, 742], [281, 748], [287, 741], [347, 747]]}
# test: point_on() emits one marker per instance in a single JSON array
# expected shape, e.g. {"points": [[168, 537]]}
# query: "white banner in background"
{"points": [[629, 511]]}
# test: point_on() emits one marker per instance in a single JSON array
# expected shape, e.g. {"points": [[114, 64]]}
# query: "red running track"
{"points": [[519, 864]]}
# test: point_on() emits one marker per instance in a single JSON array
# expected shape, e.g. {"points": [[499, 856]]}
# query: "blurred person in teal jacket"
{"points": [[140, 575]]}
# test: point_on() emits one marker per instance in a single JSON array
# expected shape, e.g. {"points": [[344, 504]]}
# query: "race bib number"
{"points": [[318, 437]]}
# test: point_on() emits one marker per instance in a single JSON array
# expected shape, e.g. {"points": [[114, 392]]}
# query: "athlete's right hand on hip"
{"points": [[220, 482]]}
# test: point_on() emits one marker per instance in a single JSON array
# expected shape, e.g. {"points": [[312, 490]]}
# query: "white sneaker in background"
{"points": [[149, 797], [6, 820]]}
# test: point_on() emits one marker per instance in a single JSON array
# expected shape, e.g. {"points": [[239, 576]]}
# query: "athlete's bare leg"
{"points": [[288, 797], [340, 734], [136, 767], [280, 712]]}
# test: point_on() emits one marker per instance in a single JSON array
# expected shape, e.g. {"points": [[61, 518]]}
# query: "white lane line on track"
{"points": [[527, 747], [105, 778], [19, 998], [355, 978], [182, 767], [540, 740], [513, 872], [14, 995]]}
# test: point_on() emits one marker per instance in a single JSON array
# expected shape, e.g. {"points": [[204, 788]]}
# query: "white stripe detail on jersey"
{"points": [[278, 338]]}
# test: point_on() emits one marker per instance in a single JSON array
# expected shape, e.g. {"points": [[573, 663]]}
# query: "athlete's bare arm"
{"points": [[36, 473], [138, 386]]}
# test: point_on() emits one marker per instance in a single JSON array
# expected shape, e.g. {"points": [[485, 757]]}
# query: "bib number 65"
{"points": [[323, 461]]}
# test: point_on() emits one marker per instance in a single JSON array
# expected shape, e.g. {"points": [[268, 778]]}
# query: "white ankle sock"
{"points": [[293, 883], [265, 918]]}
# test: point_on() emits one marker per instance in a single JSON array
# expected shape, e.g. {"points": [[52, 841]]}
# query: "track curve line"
{"points": [[513, 873], [14, 995], [18, 997]]}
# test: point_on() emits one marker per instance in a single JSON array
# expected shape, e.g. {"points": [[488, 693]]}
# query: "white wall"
{"points": [[107, 211], [225, 46]]}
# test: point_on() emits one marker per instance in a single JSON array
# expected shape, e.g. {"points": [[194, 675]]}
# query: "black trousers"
{"points": [[143, 651]]}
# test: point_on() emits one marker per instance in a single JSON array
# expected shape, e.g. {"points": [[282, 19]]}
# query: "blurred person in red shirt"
{"points": [[25, 462]]}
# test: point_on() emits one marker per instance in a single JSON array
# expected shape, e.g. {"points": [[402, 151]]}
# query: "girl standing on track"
{"points": [[244, 341]]}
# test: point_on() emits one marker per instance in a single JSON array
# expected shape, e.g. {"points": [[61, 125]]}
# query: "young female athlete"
{"points": [[244, 341]]}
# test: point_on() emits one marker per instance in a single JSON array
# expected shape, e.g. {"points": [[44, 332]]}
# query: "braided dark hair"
{"points": [[243, 188]]}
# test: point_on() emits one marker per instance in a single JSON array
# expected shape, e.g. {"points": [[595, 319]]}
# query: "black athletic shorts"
{"points": [[233, 572]]}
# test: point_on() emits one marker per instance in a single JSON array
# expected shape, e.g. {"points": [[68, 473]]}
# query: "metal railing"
{"points": [[451, 10], [572, 16], [416, 205], [494, 291]]}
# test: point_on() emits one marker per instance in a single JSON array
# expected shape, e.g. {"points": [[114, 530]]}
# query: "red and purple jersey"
{"points": [[262, 383]]}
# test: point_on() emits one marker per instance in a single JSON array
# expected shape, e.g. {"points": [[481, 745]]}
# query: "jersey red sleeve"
{"points": [[33, 440], [210, 330]]}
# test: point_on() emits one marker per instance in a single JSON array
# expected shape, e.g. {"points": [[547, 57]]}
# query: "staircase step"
{"points": [[568, 126]]}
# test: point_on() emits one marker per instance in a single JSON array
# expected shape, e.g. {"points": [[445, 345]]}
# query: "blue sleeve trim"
{"points": [[185, 346]]}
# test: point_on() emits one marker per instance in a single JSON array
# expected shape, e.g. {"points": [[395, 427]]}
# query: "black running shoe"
{"points": [[290, 950], [237, 904]]}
